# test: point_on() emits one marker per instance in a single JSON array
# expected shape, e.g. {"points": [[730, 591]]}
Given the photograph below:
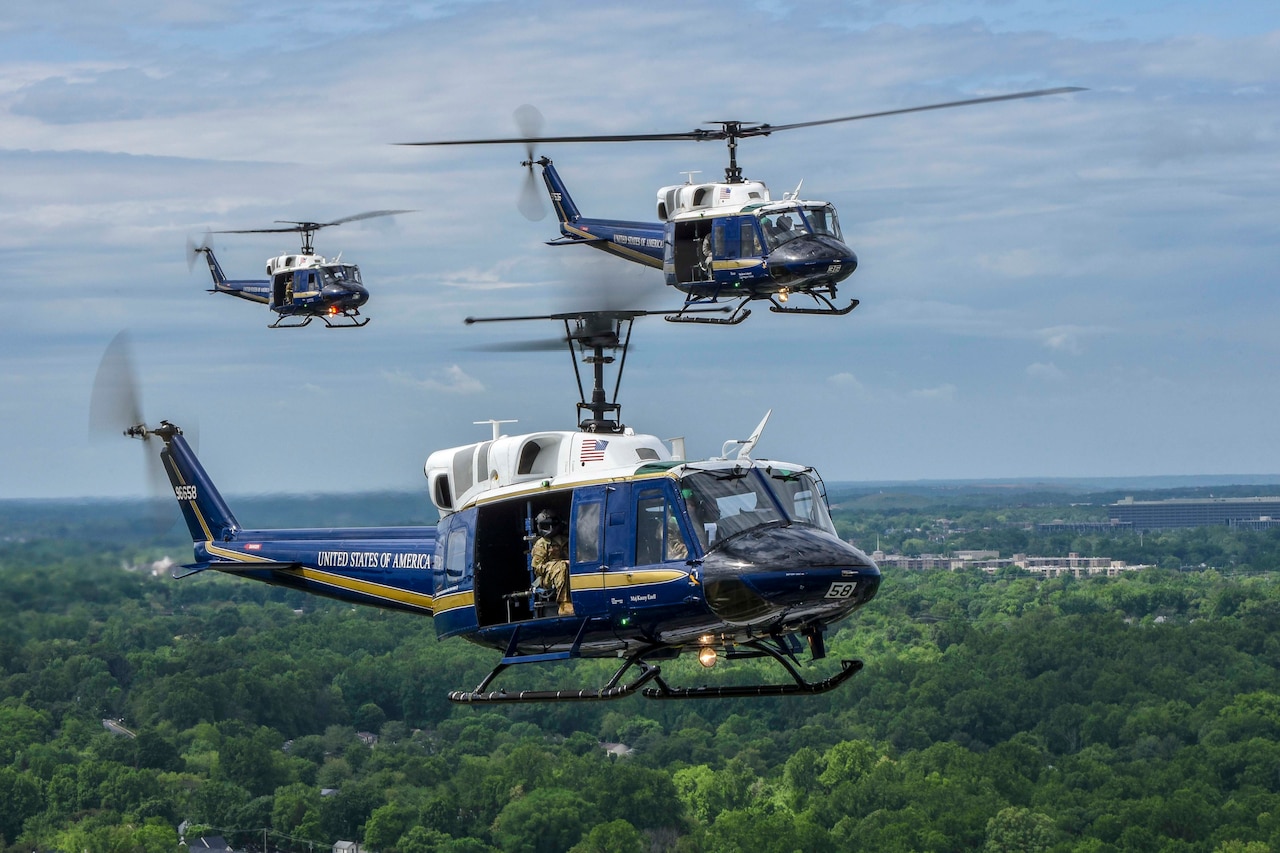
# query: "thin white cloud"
{"points": [[944, 393], [450, 380], [1045, 371]]}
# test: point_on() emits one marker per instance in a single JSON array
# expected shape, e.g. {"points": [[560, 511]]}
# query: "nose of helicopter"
{"points": [[348, 295], [768, 570], [812, 257]]}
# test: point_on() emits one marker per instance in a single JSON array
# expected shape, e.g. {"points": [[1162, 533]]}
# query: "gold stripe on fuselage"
{"points": [[614, 248], [376, 590], [625, 578]]}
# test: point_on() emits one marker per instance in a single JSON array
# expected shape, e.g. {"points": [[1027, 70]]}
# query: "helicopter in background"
{"points": [[732, 557], [301, 286], [726, 241]]}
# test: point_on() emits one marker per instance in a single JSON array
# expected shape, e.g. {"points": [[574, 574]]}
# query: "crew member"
{"points": [[550, 558]]}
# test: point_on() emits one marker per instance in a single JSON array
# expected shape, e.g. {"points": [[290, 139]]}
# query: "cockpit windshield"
{"points": [[342, 274], [725, 503], [781, 225]]}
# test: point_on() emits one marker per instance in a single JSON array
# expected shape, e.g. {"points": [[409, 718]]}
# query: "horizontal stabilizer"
{"points": [[569, 241], [233, 567]]}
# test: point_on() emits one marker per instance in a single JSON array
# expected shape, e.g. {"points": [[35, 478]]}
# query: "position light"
{"points": [[783, 295], [707, 656]]}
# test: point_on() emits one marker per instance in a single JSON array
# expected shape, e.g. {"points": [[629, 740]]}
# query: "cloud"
{"points": [[451, 380], [1050, 372], [845, 380], [945, 393]]}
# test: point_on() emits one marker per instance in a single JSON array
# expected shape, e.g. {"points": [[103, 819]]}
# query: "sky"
{"points": [[1080, 285]]}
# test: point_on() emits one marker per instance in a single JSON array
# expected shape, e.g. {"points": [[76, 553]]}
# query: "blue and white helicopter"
{"points": [[300, 286], [731, 557], [726, 241]]}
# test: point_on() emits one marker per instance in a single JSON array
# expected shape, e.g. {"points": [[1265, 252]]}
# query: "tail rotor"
{"points": [[530, 203]]}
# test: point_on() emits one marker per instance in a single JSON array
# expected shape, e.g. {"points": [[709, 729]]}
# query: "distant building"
{"points": [[1111, 527], [210, 844], [1193, 512], [617, 750], [346, 847], [991, 562]]}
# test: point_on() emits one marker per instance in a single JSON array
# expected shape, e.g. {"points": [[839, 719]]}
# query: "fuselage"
{"points": [[662, 552], [721, 240]]}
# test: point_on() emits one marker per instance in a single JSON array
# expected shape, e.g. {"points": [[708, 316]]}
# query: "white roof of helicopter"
{"points": [[559, 458], [514, 464], [682, 202]]}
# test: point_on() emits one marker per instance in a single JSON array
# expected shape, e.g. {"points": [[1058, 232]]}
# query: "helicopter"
{"points": [[302, 286], [726, 241], [732, 557]]}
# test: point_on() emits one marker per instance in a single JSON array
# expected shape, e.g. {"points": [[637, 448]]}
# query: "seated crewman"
{"points": [[550, 558]]}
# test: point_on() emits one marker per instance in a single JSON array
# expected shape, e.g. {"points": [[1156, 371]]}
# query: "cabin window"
{"points": [[749, 247], [658, 537], [441, 494], [528, 457], [455, 556], [586, 533]]}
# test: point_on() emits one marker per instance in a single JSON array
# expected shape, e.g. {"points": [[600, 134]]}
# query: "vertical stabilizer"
{"points": [[207, 515], [566, 210]]}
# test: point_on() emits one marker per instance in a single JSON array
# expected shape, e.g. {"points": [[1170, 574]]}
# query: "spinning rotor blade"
{"points": [[115, 407], [370, 214], [194, 249], [530, 203], [292, 226], [739, 129], [765, 129]]}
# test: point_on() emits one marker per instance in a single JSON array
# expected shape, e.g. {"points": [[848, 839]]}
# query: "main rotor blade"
{"points": [[622, 137], [765, 129], [293, 226], [366, 215], [741, 130]]}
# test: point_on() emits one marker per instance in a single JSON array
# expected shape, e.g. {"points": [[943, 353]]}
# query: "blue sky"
{"points": [[1081, 285]]}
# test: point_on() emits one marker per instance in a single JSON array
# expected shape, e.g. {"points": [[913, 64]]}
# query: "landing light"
{"points": [[783, 295], [707, 656]]}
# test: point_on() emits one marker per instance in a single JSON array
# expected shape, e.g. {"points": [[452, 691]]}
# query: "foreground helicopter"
{"points": [[732, 557], [722, 241], [303, 286]]}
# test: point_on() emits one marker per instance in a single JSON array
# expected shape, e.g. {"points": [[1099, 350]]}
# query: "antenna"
{"points": [[689, 173], [497, 426]]}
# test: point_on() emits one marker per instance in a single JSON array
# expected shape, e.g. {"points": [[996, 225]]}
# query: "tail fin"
{"points": [[207, 515], [215, 269], [566, 210]]}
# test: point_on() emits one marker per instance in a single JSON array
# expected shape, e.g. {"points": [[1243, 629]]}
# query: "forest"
{"points": [[995, 712]]}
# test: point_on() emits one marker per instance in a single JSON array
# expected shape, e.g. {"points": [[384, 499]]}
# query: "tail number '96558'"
{"points": [[185, 493], [842, 589]]}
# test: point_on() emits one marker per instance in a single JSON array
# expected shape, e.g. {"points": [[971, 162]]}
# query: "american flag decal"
{"points": [[592, 450], [724, 192]]}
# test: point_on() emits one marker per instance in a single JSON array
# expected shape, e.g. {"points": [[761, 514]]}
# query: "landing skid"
{"points": [[800, 687], [281, 324], [826, 306], [330, 322], [354, 324], [650, 674], [687, 314]]}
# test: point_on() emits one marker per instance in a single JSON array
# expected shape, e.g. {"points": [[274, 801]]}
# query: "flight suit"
{"points": [[550, 558]]}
